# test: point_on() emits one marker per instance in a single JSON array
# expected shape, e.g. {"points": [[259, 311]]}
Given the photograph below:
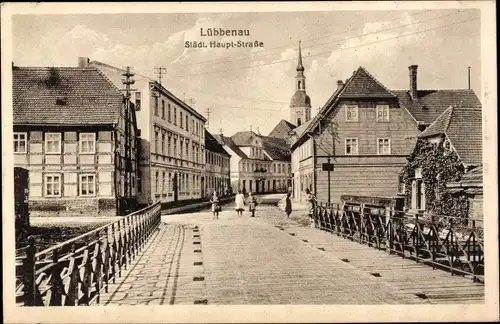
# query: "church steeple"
{"points": [[300, 67], [300, 79], [300, 105]]}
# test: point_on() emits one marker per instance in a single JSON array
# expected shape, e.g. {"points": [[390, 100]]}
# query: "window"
{"points": [[157, 180], [169, 113], [168, 146], [187, 123], [351, 113], [175, 115], [187, 150], [20, 142], [351, 146], [87, 143], [137, 101], [384, 146], [401, 184], [156, 106], [53, 143], [52, 185], [163, 182], [181, 148], [163, 143], [193, 129], [87, 185], [175, 148], [156, 142], [382, 113], [163, 109], [181, 120]]}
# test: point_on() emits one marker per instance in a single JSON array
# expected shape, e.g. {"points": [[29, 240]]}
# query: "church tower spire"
{"points": [[300, 67], [300, 105], [300, 79]]}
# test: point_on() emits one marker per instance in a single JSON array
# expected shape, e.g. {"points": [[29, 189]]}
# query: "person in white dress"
{"points": [[239, 201]]}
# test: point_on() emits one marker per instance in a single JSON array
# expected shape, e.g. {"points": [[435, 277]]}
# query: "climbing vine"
{"points": [[439, 166]]}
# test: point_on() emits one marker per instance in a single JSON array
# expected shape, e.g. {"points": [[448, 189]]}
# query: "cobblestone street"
{"points": [[193, 259]]}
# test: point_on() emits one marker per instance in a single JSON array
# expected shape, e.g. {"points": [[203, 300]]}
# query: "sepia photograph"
{"points": [[249, 162]]}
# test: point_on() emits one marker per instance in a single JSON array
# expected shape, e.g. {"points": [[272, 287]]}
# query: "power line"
{"points": [[330, 51], [288, 45], [232, 60], [240, 98]]}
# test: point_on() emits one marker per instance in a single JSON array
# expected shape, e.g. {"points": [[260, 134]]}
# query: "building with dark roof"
{"points": [[258, 163], [367, 131], [217, 167], [282, 130], [75, 134], [458, 129], [172, 161]]}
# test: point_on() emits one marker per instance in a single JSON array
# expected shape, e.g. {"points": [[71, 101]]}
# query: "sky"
{"points": [[252, 87]]}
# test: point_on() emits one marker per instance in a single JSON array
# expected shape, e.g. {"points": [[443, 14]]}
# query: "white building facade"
{"points": [[172, 140]]}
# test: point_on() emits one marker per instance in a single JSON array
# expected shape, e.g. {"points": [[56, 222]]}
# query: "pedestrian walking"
{"points": [[216, 208], [239, 201], [288, 205], [252, 204], [311, 202]]}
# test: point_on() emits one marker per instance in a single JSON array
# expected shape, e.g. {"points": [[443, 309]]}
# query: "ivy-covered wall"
{"points": [[439, 166]]}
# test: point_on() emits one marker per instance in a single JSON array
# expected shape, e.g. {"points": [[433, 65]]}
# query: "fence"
{"points": [[76, 272], [448, 242]]}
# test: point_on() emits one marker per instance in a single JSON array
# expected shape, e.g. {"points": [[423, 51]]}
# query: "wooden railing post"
{"points": [[29, 274], [56, 281], [106, 260], [98, 270], [73, 299]]}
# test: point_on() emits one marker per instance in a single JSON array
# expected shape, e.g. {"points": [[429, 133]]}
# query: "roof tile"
{"points": [[88, 96]]}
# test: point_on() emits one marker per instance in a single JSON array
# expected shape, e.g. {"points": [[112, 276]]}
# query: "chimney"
{"points": [[340, 84], [413, 81], [83, 62]]}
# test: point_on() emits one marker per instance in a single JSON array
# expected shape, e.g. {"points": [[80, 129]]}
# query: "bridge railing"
{"points": [[442, 241], [77, 271]]}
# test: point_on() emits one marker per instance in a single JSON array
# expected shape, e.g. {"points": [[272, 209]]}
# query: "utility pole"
{"points": [[468, 72], [190, 101], [128, 81], [160, 70], [208, 112]]}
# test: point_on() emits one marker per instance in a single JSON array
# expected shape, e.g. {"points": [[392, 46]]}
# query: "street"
{"points": [[194, 259]]}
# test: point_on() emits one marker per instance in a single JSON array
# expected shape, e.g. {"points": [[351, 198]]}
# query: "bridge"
{"points": [[149, 259]]}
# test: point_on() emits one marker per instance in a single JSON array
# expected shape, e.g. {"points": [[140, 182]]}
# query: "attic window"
{"points": [[61, 101], [424, 107]]}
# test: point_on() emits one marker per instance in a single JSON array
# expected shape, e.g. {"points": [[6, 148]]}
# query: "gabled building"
{"points": [[367, 131], [217, 168], [282, 130], [259, 163], [172, 140], [446, 164], [75, 134]]}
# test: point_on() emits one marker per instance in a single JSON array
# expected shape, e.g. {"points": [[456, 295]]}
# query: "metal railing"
{"points": [[446, 242], [77, 271]]}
